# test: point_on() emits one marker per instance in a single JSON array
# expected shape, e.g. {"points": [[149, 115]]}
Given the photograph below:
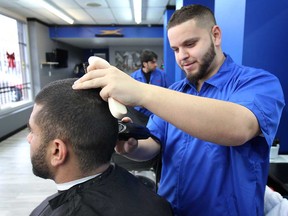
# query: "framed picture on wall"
{"points": [[128, 61], [101, 55]]}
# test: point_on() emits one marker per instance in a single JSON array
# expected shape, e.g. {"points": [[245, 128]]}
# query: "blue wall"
{"points": [[266, 45], [169, 59], [232, 28]]}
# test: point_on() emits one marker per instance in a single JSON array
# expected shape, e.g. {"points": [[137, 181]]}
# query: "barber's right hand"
{"points": [[126, 147]]}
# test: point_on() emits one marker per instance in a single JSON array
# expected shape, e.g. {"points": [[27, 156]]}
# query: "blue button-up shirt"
{"points": [[203, 178]]}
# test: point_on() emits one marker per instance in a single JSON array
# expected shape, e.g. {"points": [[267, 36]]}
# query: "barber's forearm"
{"points": [[221, 122]]}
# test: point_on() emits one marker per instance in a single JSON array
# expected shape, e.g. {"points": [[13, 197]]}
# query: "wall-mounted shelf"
{"points": [[50, 63]]}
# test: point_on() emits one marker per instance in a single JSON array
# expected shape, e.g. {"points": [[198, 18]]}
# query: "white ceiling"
{"points": [[111, 12]]}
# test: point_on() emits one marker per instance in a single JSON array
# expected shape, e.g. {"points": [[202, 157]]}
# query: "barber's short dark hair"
{"points": [[81, 118], [148, 55], [202, 15]]}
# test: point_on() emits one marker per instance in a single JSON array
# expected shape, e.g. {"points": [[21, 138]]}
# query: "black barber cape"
{"points": [[116, 192]]}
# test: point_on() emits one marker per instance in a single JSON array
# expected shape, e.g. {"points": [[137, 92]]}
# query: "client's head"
{"points": [[70, 128]]}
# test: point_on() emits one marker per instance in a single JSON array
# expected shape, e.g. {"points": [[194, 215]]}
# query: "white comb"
{"points": [[117, 109]]}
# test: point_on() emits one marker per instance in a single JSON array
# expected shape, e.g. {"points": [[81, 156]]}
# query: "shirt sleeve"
{"points": [[156, 127], [262, 95]]}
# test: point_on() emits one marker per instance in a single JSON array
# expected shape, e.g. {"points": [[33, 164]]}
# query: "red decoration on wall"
{"points": [[11, 60]]}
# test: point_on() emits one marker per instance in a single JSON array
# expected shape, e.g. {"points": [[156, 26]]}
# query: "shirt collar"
{"points": [[68, 185], [219, 79]]}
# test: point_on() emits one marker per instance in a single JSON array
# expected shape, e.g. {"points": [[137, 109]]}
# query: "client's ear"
{"points": [[58, 152]]}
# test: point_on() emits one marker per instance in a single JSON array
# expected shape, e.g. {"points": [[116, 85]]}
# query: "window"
{"points": [[15, 80]]}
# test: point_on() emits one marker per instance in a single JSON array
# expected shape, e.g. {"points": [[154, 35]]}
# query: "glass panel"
{"points": [[15, 86]]}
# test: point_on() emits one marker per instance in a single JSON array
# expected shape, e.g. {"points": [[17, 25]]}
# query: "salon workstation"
{"points": [[47, 47]]}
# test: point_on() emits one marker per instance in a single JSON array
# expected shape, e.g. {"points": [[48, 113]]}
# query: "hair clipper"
{"points": [[128, 130]]}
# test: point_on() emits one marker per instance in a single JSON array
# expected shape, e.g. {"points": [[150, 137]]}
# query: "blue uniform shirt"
{"points": [[202, 178], [158, 77]]}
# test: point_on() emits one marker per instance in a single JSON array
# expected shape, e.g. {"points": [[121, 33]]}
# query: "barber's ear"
{"points": [[217, 35], [58, 152]]}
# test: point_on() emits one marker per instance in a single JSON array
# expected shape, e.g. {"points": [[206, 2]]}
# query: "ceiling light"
{"points": [[93, 4], [137, 6], [56, 11]]}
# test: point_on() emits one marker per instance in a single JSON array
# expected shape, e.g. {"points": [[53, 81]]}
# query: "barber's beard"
{"points": [[204, 66], [150, 69], [39, 164]]}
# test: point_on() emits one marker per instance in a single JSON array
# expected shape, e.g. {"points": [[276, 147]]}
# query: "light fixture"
{"points": [[93, 4], [137, 6], [56, 11]]}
